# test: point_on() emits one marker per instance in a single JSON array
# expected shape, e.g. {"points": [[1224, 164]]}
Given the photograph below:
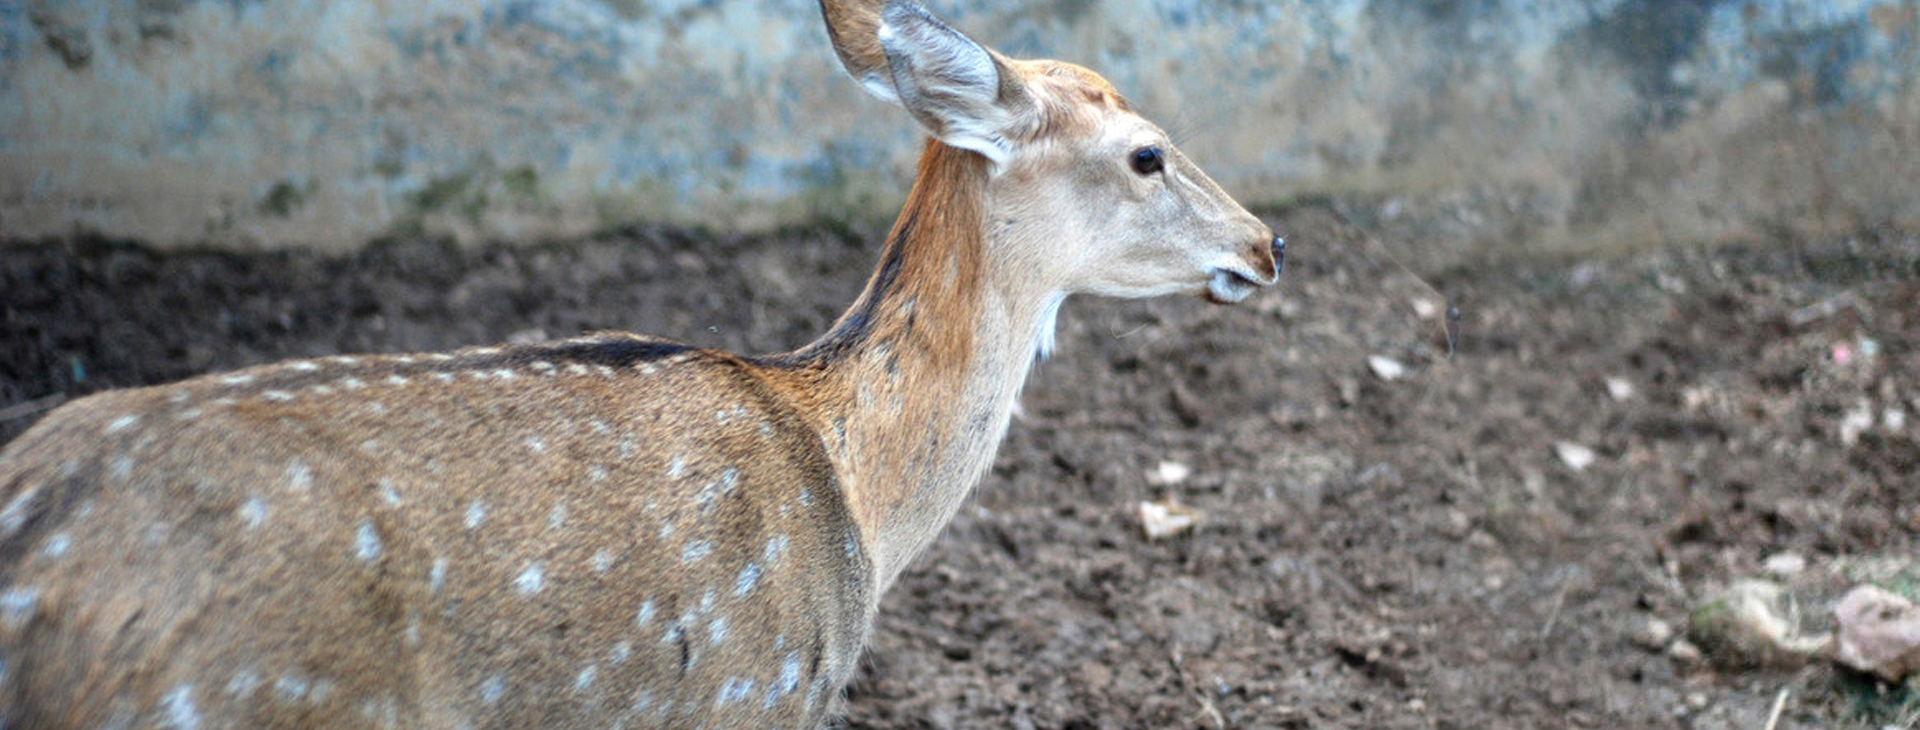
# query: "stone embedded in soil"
{"points": [[1425, 308], [1575, 456], [1619, 388], [1169, 473], [1386, 368], [1784, 565], [1166, 519], [1654, 634], [1878, 633]]}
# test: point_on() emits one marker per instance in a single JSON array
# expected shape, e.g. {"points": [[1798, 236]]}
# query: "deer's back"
{"points": [[593, 532]]}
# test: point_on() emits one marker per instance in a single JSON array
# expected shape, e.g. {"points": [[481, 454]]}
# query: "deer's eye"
{"points": [[1148, 160]]}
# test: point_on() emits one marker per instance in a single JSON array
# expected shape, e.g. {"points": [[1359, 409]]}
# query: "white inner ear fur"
{"points": [[949, 84]]}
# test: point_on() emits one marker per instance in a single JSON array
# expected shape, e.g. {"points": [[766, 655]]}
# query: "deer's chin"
{"points": [[1227, 287]]}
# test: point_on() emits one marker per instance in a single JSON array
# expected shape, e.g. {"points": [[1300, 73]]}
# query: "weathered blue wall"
{"points": [[329, 122]]}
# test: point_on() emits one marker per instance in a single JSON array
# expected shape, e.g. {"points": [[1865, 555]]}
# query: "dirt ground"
{"points": [[1481, 542]]}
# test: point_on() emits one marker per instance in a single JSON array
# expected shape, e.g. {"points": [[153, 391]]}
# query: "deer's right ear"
{"points": [[956, 88], [854, 27]]}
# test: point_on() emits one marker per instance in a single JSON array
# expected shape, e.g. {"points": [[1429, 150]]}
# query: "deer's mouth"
{"points": [[1230, 285]]}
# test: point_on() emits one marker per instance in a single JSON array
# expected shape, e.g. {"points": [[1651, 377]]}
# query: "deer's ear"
{"points": [[957, 89]]}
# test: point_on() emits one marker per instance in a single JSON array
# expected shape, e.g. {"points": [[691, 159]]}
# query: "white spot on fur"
{"points": [[536, 444], [476, 513], [695, 550], [388, 493], [503, 374], [531, 580], [303, 366], [188, 414], [121, 423], [404, 359], [17, 606], [366, 541], [557, 517], [648, 369], [621, 650], [322, 390], [645, 615], [675, 631], [749, 577], [299, 476], [597, 473], [734, 690], [676, 467], [806, 497], [344, 360], [776, 547], [120, 468], [396, 380], [15, 515], [277, 396], [253, 512], [541, 366], [604, 371], [244, 682], [180, 710], [352, 384], [602, 560], [491, 689], [576, 369], [443, 377], [789, 680], [57, 545], [717, 631], [584, 680], [237, 379], [291, 687], [437, 577]]}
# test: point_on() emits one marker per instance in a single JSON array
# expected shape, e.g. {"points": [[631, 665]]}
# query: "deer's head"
{"points": [[1082, 190]]}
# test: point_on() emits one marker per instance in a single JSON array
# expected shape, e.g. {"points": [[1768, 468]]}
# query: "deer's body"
{"points": [[612, 531]]}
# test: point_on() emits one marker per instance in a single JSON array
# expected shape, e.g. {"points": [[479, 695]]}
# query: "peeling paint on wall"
{"points": [[299, 122]]}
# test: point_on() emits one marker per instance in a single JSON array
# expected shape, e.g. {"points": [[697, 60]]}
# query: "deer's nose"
{"points": [[1279, 255]]}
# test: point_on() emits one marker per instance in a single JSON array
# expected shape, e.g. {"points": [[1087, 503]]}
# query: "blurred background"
{"points": [[278, 123], [1680, 427]]}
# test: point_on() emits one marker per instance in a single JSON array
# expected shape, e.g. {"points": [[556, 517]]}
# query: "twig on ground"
{"points": [[1779, 703], [1559, 600], [1206, 703]]}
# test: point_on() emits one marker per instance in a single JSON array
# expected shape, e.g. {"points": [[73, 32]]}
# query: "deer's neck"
{"points": [[918, 379]]}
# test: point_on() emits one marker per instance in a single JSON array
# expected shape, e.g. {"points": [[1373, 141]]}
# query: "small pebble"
{"points": [[1654, 634], [1575, 456], [1386, 368], [1784, 565], [1685, 652], [1619, 389]]}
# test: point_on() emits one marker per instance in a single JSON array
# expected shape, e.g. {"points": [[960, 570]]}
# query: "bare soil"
{"points": [[1417, 552]]}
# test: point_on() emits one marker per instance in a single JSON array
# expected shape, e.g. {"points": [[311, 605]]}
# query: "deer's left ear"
{"points": [[962, 93]]}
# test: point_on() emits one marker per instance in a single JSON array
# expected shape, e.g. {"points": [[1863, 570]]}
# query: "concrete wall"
{"points": [[329, 122]]}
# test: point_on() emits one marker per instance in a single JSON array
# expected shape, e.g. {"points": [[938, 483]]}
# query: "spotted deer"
{"points": [[609, 531]]}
